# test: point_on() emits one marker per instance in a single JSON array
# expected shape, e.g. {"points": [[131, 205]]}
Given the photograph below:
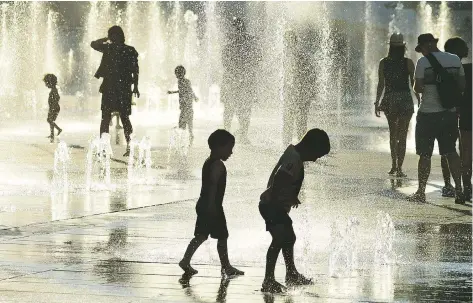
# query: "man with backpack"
{"points": [[440, 78]]}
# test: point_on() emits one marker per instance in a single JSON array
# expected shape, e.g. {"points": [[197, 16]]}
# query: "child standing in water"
{"points": [[210, 216], [277, 200], [51, 81], [186, 96]]}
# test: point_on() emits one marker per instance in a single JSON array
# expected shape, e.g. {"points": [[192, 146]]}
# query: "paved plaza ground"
{"points": [[123, 244]]}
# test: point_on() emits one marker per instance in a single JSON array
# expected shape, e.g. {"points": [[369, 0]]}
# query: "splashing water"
{"points": [[343, 246], [385, 233], [139, 168], [60, 181], [98, 163]]}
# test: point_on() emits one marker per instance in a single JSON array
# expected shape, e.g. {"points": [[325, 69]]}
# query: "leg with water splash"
{"points": [[105, 122], [128, 130], [52, 116], [185, 263], [269, 283], [293, 277], [227, 269]]}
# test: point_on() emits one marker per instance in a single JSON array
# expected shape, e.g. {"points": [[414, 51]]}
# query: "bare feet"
{"points": [[272, 286], [187, 268], [231, 271], [297, 279]]}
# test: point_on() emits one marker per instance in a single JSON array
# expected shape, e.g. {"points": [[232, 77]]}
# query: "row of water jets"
{"points": [[99, 156]]}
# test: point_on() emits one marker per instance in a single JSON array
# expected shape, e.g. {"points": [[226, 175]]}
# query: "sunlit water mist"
{"points": [[370, 61], [139, 161], [60, 181], [166, 34], [97, 171]]}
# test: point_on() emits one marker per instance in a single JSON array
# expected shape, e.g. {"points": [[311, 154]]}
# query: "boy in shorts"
{"points": [[186, 96], [277, 200], [210, 216]]}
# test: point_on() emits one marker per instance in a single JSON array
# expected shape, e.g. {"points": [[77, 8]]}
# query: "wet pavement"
{"points": [[122, 245]]}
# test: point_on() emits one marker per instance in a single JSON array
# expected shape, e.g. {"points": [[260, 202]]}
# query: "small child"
{"points": [[51, 81], [210, 216], [186, 96], [276, 201]]}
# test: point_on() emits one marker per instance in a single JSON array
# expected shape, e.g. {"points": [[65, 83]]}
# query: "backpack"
{"points": [[447, 85]]}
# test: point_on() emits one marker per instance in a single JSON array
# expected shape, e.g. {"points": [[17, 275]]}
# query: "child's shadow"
{"points": [[221, 294]]}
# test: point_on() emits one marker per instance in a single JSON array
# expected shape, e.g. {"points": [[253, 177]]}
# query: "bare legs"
{"points": [[222, 250], [398, 128], [424, 166]]}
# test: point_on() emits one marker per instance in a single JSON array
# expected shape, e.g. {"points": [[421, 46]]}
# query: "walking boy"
{"points": [[51, 81], [276, 201], [186, 96], [210, 216]]}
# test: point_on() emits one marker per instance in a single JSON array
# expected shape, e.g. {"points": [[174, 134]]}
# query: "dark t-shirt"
{"points": [[202, 203]]}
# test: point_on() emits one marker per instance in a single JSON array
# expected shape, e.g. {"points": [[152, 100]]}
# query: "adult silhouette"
{"points": [[119, 70], [396, 77], [240, 63]]}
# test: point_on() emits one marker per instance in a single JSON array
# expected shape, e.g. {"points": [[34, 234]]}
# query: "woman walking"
{"points": [[396, 77]]}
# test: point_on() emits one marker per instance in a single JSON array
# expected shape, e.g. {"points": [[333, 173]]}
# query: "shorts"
{"points": [[215, 227], [442, 126], [274, 215], [185, 118], [52, 115]]}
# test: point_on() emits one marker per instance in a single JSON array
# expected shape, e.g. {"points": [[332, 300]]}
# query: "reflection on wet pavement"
{"points": [[123, 245]]}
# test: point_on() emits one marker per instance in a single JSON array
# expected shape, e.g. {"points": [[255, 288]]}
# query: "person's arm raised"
{"points": [[99, 45]]}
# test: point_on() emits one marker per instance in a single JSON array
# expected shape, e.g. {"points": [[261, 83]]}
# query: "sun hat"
{"points": [[424, 39], [397, 39]]}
